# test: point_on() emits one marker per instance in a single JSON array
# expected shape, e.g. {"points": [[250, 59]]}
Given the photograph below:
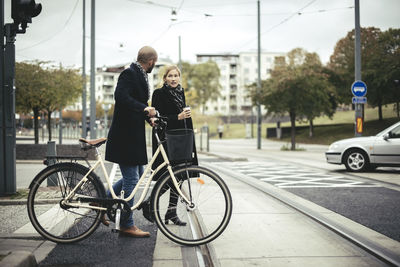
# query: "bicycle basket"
{"points": [[179, 144]]}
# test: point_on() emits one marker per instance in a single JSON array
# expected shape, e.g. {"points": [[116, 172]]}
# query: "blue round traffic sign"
{"points": [[359, 88]]}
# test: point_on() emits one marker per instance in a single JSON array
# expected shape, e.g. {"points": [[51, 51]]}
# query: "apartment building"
{"points": [[237, 71]]}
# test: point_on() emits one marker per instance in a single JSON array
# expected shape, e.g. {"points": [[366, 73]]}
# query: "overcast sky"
{"points": [[205, 26]]}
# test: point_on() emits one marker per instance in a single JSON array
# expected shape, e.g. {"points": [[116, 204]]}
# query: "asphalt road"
{"points": [[376, 208], [104, 248], [371, 199]]}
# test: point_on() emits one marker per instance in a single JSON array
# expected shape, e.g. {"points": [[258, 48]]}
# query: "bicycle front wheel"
{"points": [[54, 219], [201, 221]]}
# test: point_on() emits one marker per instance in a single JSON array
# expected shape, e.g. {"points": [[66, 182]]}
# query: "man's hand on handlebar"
{"points": [[153, 122], [150, 111]]}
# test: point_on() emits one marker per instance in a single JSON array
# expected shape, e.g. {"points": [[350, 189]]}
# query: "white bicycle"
{"points": [[67, 200]]}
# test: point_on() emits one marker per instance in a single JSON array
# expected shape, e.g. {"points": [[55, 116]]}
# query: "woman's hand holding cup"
{"points": [[186, 113]]}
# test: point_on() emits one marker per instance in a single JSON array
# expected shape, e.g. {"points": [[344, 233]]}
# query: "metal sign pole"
{"points": [[359, 108]]}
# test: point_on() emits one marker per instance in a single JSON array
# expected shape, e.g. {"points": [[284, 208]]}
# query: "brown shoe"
{"points": [[103, 217], [104, 220], [133, 231]]}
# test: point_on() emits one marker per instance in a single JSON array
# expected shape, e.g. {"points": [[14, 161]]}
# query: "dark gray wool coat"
{"points": [[126, 141]]}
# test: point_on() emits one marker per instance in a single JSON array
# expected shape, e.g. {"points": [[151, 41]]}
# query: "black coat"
{"points": [[126, 142], [163, 102]]}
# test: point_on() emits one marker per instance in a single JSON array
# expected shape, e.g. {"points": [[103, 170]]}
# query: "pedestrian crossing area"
{"points": [[284, 175]]}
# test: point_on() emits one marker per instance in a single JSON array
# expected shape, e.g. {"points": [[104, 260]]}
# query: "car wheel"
{"points": [[356, 160]]}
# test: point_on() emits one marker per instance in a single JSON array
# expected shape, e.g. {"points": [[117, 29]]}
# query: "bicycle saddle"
{"points": [[95, 142]]}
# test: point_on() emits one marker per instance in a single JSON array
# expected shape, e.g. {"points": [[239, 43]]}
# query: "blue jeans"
{"points": [[130, 177]]}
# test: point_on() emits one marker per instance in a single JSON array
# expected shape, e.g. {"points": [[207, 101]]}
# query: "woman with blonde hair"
{"points": [[169, 101]]}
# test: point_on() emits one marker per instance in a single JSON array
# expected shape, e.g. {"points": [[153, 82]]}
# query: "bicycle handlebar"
{"points": [[161, 121]]}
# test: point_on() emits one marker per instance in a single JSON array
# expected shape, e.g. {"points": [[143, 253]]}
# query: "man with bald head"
{"points": [[126, 141]]}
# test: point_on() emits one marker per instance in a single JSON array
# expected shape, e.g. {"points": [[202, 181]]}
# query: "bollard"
{"points": [[51, 152], [201, 139], [248, 130], [208, 139], [278, 130]]}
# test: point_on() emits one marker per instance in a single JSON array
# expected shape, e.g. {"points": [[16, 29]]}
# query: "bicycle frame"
{"points": [[100, 162]]}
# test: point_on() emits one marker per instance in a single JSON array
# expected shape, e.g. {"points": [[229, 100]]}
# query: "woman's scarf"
{"points": [[177, 95]]}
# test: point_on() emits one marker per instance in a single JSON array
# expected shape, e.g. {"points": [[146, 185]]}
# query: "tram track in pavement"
{"points": [[342, 227], [196, 256]]}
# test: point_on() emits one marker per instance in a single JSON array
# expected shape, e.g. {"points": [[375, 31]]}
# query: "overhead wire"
{"points": [[151, 3], [180, 6], [282, 13], [298, 12]]}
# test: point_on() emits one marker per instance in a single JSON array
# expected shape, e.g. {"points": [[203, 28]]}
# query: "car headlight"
{"points": [[333, 146]]}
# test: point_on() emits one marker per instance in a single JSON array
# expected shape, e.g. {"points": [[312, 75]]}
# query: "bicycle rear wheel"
{"points": [[205, 219], [55, 220]]}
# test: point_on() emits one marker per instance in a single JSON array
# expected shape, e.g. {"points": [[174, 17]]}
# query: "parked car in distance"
{"points": [[366, 153]]}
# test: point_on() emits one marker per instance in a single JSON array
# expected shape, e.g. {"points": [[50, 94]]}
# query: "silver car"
{"points": [[366, 153]]}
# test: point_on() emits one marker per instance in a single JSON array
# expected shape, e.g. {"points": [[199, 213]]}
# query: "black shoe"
{"points": [[173, 217], [147, 213]]}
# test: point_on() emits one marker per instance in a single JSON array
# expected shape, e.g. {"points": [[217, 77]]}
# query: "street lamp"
{"points": [[174, 15]]}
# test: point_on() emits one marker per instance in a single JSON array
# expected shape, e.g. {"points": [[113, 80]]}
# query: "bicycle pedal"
{"points": [[114, 230]]}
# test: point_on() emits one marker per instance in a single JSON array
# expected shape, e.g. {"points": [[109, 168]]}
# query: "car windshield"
{"points": [[381, 133]]}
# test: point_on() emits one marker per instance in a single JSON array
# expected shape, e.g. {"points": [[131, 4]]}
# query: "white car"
{"points": [[366, 153]]}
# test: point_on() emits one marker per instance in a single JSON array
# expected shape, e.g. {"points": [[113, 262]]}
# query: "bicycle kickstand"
{"points": [[118, 216]]}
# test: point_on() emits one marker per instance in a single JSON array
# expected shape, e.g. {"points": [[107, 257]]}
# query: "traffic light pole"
{"points": [[2, 126], [22, 12], [8, 179]]}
